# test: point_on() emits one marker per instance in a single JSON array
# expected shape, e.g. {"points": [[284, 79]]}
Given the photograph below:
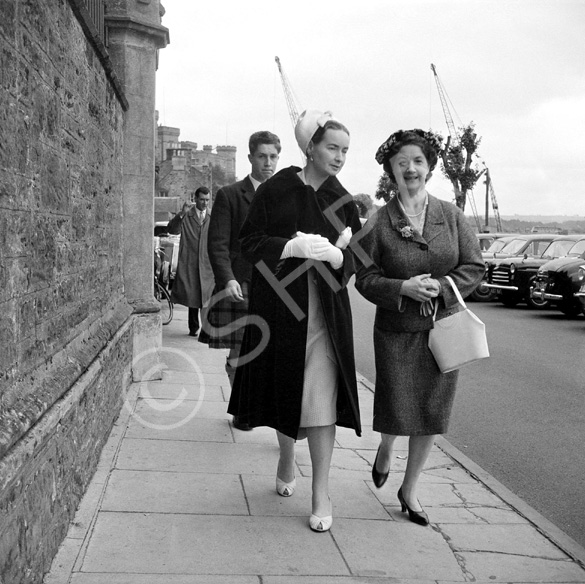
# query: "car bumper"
{"points": [[541, 295], [501, 287]]}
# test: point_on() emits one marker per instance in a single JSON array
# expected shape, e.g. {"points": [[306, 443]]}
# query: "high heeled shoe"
{"points": [[419, 517], [285, 489], [378, 477], [321, 524]]}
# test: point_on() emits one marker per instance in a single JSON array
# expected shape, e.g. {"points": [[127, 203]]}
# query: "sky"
{"points": [[516, 68]]}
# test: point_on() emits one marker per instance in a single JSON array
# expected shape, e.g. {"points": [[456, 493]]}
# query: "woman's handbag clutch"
{"points": [[458, 339]]}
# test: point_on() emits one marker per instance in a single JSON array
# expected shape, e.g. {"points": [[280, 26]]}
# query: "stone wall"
{"points": [[65, 327]]}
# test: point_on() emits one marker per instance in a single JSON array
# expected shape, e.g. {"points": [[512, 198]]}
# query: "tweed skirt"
{"points": [[224, 321], [412, 397]]}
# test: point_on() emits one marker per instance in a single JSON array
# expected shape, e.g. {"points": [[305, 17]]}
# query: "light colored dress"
{"points": [[320, 384]]}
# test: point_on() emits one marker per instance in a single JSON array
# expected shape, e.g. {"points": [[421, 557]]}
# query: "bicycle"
{"points": [[161, 293]]}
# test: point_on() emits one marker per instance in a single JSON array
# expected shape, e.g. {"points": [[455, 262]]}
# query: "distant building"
{"points": [[182, 168]]}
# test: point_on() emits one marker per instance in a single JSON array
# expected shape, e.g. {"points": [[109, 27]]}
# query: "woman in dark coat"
{"points": [[296, 371], [413, 243]]}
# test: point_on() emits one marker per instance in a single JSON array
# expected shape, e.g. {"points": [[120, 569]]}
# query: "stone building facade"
{"points": [[76, 227], [182, 168]]}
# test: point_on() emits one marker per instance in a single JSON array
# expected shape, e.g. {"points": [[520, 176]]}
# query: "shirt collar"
{"points": [[255, 183]]}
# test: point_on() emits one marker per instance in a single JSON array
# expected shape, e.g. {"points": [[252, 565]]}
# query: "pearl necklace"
{"points": [[416, 214]]}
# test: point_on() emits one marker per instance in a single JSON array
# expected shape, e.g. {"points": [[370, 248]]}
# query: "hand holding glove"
{"points": [[305, 245], [331, 254]]}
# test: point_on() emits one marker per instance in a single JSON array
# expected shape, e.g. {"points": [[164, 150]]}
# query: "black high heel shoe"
{"points": [[379, 478], [419, 517]]}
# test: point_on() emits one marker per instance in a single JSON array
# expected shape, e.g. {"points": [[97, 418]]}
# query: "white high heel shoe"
{"points": [[285, 489], [321, 524]]}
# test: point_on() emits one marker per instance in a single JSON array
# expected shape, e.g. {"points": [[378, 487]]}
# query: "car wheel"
{"points": [[483, 294], [570, 309], [536, 303], [510, 299]]}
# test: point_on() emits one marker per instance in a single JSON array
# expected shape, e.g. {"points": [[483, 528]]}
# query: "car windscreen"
{"points": [[515, 246], [557, 249], [578, 249], [496, 245]]}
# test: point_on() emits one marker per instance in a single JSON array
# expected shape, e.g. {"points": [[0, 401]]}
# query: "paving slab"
{"points": [[490, 567], [340, 580], [181, 422], [179, 390], [195, 544], [399, 550], [475, 515], [201, 457], [502, 539], [174, 492], [118, 578]]}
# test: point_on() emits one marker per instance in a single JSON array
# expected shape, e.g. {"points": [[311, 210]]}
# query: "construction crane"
{"points": [[454, 136], [291, 101], [489, 187], [445, 106]]}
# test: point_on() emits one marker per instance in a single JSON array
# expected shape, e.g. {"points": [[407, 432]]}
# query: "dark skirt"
{"points": [[412, 397], [224, 321]]}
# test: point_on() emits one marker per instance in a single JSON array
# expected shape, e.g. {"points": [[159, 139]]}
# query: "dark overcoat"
{"points": [[447, 246], [194, 282], [222, 327], [268, 385], [230, 208]]}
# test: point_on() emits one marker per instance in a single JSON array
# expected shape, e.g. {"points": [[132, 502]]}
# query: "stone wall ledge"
{"points": [[29, 446], [32, 397], [159, 33]]}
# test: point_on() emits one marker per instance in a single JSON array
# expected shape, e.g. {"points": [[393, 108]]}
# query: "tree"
{"points": [[386, 188], [364, 203], [457, 162]]}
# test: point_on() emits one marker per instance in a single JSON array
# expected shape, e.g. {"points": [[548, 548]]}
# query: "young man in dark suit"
{"points": [[232, 272]]}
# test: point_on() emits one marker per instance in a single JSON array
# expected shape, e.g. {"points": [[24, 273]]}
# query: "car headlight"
{"points": [[512, 268], [581, 273]]}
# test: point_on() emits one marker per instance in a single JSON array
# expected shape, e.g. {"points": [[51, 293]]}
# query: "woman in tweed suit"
{"points": [[413, 243]]}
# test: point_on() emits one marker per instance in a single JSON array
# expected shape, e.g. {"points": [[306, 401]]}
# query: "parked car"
{"points": [[481, 293], [487, 241], [512, 278], [561, 282], [580, 294]]}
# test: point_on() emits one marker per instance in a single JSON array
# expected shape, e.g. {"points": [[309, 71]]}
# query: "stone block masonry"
{"points": [[65, 325]]}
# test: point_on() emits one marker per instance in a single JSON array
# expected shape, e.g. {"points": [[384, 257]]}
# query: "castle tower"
{"points": [[167, 138], [228, 155]]}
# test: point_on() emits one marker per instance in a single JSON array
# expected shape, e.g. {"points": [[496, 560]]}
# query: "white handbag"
{"points": [[458, 339]]}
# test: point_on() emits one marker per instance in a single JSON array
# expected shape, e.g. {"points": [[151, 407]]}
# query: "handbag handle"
{"points": [[456, 290], [457, 294]]}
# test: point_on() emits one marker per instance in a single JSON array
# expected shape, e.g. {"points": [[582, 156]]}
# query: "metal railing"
{"points": [[95, 8]]}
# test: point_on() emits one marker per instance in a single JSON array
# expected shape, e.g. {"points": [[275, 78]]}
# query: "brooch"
{"points": [[405, 230]]}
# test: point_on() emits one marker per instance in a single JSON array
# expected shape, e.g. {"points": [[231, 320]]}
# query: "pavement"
{"points": [[181, 497]]}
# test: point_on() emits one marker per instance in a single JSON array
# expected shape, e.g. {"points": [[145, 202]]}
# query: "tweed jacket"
{"points": [[447, 246], [230, 208]]}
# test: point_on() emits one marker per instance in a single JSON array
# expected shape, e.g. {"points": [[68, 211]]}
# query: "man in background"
{"points": [[174, 226], [194, 282], [232, 272]]}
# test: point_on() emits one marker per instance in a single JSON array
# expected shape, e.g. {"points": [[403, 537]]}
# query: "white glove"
{"points": [[305, 245], [333, 255]]}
